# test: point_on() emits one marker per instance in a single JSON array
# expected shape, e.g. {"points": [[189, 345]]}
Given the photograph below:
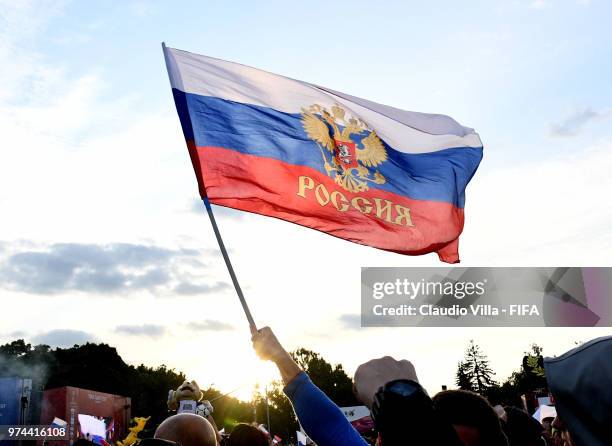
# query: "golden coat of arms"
{"points": [[351, 151]]}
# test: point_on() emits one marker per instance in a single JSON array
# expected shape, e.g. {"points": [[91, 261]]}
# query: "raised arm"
{"points": [[322, 420]]}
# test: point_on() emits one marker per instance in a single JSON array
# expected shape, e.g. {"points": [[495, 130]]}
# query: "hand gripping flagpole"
{"points": [[228, 263]]}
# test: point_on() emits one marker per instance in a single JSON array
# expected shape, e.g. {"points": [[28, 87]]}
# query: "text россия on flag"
{"points": [[365, 172]]}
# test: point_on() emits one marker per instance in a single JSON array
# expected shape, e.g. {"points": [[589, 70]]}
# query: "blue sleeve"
{"points": [[322, 420]]}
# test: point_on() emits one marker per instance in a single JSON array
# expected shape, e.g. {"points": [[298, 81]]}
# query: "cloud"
{"points": [[189, 289], [142, 9], [575, 122], [209, 325], [149, 330], [540, 4], [64, 338], [104, 269], [17, 334], [351, 321], [20, 23], [529, 214]]}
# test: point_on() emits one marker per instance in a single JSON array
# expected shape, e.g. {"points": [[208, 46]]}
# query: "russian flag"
{"points": [[358, 170], [58, 422]]}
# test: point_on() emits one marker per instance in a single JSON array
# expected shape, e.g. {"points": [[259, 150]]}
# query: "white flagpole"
{"points": [[228, 263]]}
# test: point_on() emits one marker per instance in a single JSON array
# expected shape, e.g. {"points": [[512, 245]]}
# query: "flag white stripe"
{"points": [[408, 132], [426, 122]]}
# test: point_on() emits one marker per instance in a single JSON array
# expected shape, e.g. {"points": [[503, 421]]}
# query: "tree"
{"points": [[282, 418], [332, 380], [148, 388], [15, 349], [475, 371], [536, 350], [529, 379], [532, 376], [464, 377]]}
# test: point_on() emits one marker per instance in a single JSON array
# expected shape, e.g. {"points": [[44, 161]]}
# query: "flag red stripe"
{"points": [[306, 196]]}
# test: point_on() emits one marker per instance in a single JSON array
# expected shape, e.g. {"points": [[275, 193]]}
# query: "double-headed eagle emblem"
{"points": [[350, 150]]}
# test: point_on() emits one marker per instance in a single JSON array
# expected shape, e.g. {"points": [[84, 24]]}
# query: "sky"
{"points": [[103, 237]]}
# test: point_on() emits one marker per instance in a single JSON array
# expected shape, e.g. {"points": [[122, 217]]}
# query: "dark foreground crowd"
{"points": [[404, 415]]}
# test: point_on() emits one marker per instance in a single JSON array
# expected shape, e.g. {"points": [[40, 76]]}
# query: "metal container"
{"points": [[15, 396], [67, 403]]}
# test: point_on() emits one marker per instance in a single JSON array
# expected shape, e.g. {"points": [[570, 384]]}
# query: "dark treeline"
{"points": [[99, 367], [474, 373]]}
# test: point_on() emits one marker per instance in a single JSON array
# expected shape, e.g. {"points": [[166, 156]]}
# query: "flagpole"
{"points": [[228, 263]]}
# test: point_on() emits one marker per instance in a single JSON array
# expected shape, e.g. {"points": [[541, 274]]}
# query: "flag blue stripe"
{"points": [[261, 131]]}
